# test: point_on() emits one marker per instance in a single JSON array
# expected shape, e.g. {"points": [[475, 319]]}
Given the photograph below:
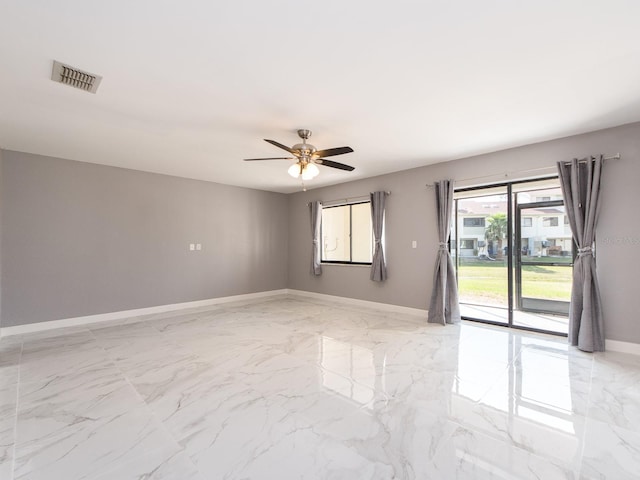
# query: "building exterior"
{"points": [[544, 230]]}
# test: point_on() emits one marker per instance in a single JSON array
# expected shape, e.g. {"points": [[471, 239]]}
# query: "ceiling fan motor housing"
{"points": [[304, 149]]}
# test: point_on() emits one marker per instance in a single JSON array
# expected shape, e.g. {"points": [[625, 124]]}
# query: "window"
{"points": [[347, 234], [467, 244], [527, 221], [473, 222], [566, 219], [550, 221]]}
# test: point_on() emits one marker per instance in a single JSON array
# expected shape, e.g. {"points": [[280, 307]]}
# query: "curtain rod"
{"points": [[617, 156], [346, 200]]}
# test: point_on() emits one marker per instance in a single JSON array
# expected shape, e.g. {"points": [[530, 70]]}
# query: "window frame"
{"points": [[481, 221], [345, 262], [473, 241]]}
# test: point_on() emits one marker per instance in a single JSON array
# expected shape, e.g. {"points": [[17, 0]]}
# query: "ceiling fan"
{"points": [[307, 157]]}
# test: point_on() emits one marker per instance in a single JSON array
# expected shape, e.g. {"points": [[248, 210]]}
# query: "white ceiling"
{"points": [[192, 87]]}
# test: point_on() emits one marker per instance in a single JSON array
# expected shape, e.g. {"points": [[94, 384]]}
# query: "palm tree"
{"points": [[496, 230]]}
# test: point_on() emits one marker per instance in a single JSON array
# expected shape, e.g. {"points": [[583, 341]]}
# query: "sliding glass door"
{"points": [[514, 255], [482, 228], [544, 253]]}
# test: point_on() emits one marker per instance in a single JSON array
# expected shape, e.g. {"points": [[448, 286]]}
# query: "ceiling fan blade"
{"points": [[271, 158], [331, 163], [330, 152], [279, 145]]}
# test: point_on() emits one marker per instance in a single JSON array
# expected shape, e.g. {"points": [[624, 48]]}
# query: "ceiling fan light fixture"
{"points": [[310, 171], [294, 170], [306, 170]]}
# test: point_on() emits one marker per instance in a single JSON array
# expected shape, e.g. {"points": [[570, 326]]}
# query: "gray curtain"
{"points": [[378, 267], [580, 182], [444, 307], [315, 208]]}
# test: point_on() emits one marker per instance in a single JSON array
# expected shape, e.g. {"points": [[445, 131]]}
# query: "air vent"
{"points": [[75, 78]]}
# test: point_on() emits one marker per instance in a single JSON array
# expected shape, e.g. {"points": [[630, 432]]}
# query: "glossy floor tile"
{"points": [[289, 388]]}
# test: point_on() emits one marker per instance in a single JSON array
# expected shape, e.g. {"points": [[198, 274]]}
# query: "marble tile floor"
{"points": [[290, 388]]}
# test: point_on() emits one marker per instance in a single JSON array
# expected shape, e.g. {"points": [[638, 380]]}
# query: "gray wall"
{"points": [[411, 216], [81, 239]]}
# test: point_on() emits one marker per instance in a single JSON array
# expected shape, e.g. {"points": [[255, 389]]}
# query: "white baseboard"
{"points": [[610, 345], [622, 347], [105, 317], [361, 303]]}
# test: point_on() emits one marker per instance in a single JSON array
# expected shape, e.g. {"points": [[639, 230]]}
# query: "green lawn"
{"points": [[485, 282]]}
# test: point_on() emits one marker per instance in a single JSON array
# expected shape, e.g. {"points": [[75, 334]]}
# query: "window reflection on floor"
{"points": [[525, 388], [523, 377], [347, 369], [483, 354]]}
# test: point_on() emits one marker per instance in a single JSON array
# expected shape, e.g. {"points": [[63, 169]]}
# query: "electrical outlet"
{"points": [[192, 246]]}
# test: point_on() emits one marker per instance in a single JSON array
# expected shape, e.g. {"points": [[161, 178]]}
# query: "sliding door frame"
{"points": [[511, 242]]}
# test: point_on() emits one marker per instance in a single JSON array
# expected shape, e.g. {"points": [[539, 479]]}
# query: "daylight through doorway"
{"points": [[513, 252]]}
